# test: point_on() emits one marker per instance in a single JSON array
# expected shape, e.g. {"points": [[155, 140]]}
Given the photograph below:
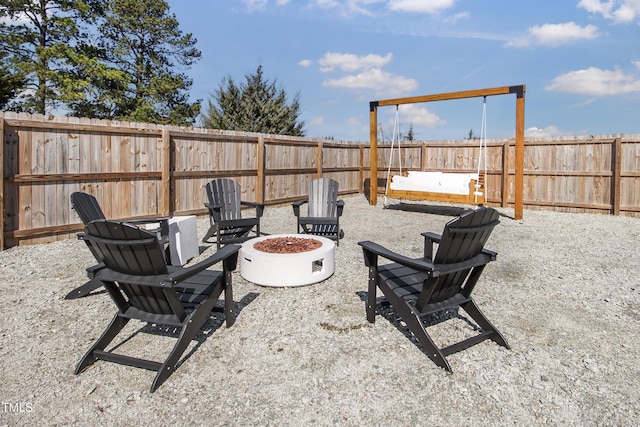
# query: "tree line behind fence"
{"points": [[137, 170]]}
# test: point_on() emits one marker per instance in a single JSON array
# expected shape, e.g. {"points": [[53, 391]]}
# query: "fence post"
{"points": [[361, 168], [319, 160], [616, 164], [424, 161], [504, 192], [373, 153], [165, 181], [260, 179]]}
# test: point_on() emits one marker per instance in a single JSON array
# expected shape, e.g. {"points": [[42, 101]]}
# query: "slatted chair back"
{"points": [[87, 207], [225, 193], [462, 239], [138, 256], [323, 198]]}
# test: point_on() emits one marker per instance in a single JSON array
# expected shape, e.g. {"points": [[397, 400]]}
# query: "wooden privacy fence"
{"points": [[577, 174], [138, 170], [142, 170]]}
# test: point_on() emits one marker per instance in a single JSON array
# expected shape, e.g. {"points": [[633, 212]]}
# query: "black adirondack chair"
{"points": [[324, 210], [134, 272], [88, 209], [225, 213], [418, 287]]}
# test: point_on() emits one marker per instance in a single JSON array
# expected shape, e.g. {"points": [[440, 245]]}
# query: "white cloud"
{"points": [[535, 132], [350, 63], [596, 82], [558, 34], [416, 115], [619, 11], [325, 4], [347, 7], [305, 63], [317, 121], [420, 6], [555, 35], [377, 80], [457, 17], [254, 5]]}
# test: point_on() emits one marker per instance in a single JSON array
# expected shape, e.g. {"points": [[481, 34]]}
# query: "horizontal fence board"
{"points": [[46, 158]]}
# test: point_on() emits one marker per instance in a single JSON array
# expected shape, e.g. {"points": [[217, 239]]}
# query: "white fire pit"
{"points": [[287, 260]]}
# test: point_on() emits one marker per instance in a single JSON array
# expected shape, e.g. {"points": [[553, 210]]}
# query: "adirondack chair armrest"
{"points": [[215, 207], [340, 207], [228, 254], [214, 211], [259, 207], [296, 206], [478, 260], [370, 248], [434, 237], [491, 254], [136, 221], [429, 239], [162, 221], [91, 271], [148, 220]]}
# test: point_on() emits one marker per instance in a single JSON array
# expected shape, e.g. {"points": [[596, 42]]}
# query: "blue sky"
{"points": [[580, 61]]}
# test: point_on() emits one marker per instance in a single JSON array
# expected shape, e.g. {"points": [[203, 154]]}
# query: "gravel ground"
{"points": [[564, 292]]}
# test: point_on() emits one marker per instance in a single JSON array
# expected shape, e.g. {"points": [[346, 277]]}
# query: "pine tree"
{"points": [[40, 40], [143, 45], [255, 106], [410, 135]]}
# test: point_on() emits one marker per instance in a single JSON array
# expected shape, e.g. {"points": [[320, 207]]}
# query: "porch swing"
{"points": [[453, 187]]}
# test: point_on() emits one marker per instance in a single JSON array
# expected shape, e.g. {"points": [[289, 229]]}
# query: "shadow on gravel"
{"points": [[428, 209], [384, 309], [216, 320], [434, 209]]}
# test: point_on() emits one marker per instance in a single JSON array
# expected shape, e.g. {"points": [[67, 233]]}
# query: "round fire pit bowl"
{"points": [[287, 260]]}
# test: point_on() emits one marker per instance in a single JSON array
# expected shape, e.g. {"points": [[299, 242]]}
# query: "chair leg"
{"points": [[209, 235], [414, 323], [472, 310], [190, 328], [84, 290], [229, 304], [430, 348], [117, 324], [372, 295]]}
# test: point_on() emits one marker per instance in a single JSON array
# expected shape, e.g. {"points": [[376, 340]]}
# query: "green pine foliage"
{"points": [[39, 39], [10, 84], [256, 105]]}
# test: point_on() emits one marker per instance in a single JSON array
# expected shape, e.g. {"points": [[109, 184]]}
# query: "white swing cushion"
{"points": [[434, 182]]}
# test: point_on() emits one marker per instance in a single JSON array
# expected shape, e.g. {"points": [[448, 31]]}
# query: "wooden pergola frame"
{"points": [[518, 90]]}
